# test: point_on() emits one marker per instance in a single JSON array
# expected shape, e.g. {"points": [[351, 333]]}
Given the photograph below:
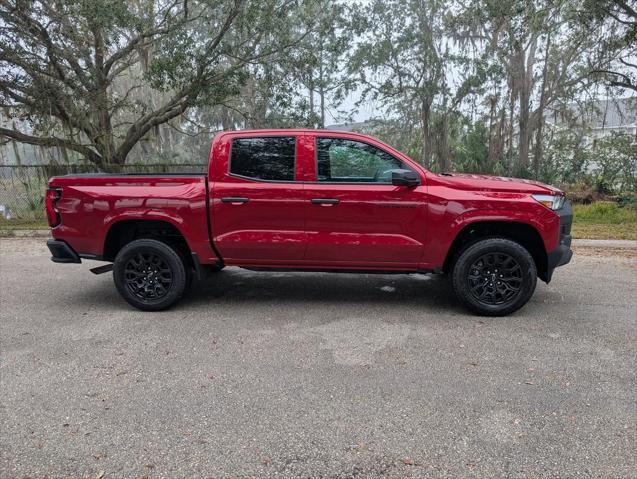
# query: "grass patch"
{"points": [[611, 232], [604, 220], [22, 224]]}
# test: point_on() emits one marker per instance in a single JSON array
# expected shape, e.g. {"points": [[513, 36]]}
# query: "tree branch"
{"points": [[626, 81], [52, 141], [628, 10]]}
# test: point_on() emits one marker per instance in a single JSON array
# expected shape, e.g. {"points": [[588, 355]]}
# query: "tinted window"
{"points": [[268, 158], [354, 161]]}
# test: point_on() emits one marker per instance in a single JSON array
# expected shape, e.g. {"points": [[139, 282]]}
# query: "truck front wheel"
{"points": [[150, 274], [494, 276]]}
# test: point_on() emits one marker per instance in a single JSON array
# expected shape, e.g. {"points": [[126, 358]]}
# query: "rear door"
{"points": [[257, 205], [355, 216]]}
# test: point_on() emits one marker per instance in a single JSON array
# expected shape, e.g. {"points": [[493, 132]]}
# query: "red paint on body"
{"points": [[373, 226]]}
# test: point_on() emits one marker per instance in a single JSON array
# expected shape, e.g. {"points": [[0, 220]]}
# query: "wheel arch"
{"points": [[522, 233], [124, 231]]}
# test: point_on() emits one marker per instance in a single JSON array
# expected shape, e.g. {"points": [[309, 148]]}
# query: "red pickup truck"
{"points": [[312, 200]]}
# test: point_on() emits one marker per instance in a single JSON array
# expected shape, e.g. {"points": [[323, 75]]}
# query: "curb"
{"points": [[591, 243], [24, 233]]}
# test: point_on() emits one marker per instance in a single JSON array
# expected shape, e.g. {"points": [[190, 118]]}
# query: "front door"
{"points": [[355, 216], [257, 205]]}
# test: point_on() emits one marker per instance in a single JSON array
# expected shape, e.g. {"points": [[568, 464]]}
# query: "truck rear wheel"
{"points": [[494, 277], [149, 274]]}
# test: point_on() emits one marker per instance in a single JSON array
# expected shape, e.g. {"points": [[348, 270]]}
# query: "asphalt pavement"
{"points": [[315, 375]]}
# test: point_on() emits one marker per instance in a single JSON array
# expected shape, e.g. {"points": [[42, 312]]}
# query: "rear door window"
{"points": [[263, 158]]}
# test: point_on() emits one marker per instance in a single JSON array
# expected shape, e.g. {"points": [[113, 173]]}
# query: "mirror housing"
{"points": [[406, 178]]}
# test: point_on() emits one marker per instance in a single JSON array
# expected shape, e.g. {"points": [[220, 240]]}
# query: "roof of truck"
{"points": [[297, 131], [283, 131]]}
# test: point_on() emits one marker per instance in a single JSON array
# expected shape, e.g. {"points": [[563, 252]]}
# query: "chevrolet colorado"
{"points": [[312, 200]]}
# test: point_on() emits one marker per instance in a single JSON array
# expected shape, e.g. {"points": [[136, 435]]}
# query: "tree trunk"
{"points": [[322, 90], [443, 144], [512, 99], [525, 70], [425, 120], [523, 135], [539, 118], [492, 133], [311, 94], [500, 143], [105, 143], [322, 96]]}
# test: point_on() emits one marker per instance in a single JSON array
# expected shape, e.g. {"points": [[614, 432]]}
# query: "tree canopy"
{"points": [[487, 85], [80, 71]]}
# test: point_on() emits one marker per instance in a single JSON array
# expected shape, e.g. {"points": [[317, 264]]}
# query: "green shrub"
{"points": [[604, 212]]}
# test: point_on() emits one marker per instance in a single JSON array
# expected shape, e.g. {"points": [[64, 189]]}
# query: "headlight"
{"points": [[553, 202]]}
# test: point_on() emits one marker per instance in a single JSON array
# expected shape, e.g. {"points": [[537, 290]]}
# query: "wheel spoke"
{"points": [[495, 278], [148, 276]]}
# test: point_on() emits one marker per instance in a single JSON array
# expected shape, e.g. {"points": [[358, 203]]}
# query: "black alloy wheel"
{"points": [[494, 276], [150, 274]]}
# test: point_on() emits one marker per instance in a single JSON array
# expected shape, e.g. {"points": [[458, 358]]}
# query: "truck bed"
{"points": [[91, 203], [106, 175]]}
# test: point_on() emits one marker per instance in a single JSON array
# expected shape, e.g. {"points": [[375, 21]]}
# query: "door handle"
{"points": [[235, 200], [325, 201]]}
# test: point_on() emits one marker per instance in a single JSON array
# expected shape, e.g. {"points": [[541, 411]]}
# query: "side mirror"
{"points": [[404, 178]]}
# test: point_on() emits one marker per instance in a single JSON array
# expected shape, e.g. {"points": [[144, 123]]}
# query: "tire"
{"points": [[150, 275], [494, 277]]}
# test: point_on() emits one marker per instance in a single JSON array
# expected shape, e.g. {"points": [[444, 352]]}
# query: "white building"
{"points": [[599, 118]]}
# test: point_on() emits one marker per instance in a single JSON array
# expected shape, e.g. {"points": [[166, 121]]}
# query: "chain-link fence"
{"points": [[22, 187]]}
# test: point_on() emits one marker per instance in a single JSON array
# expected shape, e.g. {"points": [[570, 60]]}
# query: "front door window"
{"points": [[349, 161]]}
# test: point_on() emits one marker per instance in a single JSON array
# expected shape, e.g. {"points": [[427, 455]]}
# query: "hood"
{"points": [[466, 181]]}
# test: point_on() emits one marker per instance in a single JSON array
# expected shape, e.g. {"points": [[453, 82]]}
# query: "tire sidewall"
{"points": [[168, 254], [494, 245]]}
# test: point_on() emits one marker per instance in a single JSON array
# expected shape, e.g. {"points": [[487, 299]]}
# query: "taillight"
{"points": [[52, 214]]}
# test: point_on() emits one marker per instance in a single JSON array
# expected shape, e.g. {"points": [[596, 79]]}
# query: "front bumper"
{"points": [[61, 252], [563, 253]]}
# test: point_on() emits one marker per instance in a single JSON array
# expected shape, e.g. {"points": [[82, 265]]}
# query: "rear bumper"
{"points": [[61, 252], [563, 253]]}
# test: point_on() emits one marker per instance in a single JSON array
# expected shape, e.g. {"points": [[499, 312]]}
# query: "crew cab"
{"points": [[311, 200]]}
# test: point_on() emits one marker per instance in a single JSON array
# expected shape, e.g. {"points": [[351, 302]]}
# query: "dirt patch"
{"points": [[630, 253]]}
